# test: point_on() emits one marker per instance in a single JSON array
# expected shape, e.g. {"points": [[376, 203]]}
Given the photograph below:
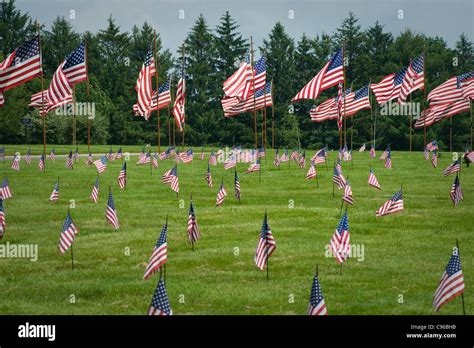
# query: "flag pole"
{"points": [[88, 93], [253, 88], [42, 98], [155, 54], [169, 116], [184, 94], [74, 115], [273, 117], [470, 107], [462, 294], [411, 125], [344, 92], [424, 95]]}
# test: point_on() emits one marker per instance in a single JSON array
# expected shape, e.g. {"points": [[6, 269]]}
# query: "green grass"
{"points": [[405, 253]]}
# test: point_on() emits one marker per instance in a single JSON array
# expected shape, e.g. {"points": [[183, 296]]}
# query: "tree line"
{"points": [[212, 54]]}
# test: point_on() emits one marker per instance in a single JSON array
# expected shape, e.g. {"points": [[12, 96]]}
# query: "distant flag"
{"points": [[193, 230], [5, 191], [187, 156], [201, 156], [55, 194], [230, 162], [393, 205], [101, 164], [349, 155], [221, 195], [453, 168], [212, 159], [261, 152], [276, 161], [209, 176], [76, 154], [142, 152], [111, 155], [165, 154], [388, 160], [340, 154], [16, 162], [154, 162], [266, 245], [254, 167], [118, 155], [434, 159], [372, 151], [362, 148], [426, 153], [432, 146], [144, 159], [28, 157], [174, 183], [295, 155], [166, 178], [68, 234], [456, 192], [160, 303], [316, 305], [284, 157], [385, 153], [414, 78], [311, 171], [122, 178], [237, 186], [338, 177], [41, 163], [52, 155], [159, 256], [111, 213], [95, 191], [373, 180], [70, 161], [3, 224], [451, 284], [341, 240], [347, 196], [319, 157], [302, 160]]}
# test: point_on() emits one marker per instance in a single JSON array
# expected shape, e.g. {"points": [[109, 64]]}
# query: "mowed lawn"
{"points": [[404, 254]]}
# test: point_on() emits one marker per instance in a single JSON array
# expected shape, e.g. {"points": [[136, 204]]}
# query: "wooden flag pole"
{"points": [[273, 117], [462, 294], [253, 88], [169, 114], [344, 91], [155, 54], [470, 107], [74, 115], [89, 122], [42, 100], [317, 180], [411, 125]]}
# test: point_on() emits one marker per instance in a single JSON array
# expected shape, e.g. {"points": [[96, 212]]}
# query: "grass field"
{"points": [[404, 253]]}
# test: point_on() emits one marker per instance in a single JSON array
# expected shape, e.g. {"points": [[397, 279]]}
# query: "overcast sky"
{"points": [[447, 18]]}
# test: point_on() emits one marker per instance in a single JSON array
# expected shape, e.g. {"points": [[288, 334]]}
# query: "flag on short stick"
{"points": [[160, 304], [159, 256], [111, 213], [95, 191], [393, 205], [266, 245], [316, 304], [341, 240], [68, 234]]}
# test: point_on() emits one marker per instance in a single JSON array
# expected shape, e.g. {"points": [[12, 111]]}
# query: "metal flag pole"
{"points": [[462, 294], [155, 56]]}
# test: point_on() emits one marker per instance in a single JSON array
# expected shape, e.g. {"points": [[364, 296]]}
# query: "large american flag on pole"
{"points": [[440, 112], [451, 90], [179, 103], [68, 234], [316, 305], [414, 78], [451, 284], [266, 245], [163, 95], [144, 86], [330, 75], [389, 88], [341, 240], [160, 303], [159, 256], [393, 205], [260, 73], [237, 85], [263, 98]]}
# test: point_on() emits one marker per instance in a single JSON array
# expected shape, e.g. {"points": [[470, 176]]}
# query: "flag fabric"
{"points": [[302, 160], [179, 102], [209, 176], [426, 154], [372, 151], [89, 161], [451, 284], [237, 186], [122, 177], [111, 212], [330, 75], [160, 303], [201, 156], [41, 163], [436, 113], [456, 192], [295, 155], [187, 156], [311, 171], [237, 85], [212, 159], [385, 153], [159, 256], [52, 155], [389, 88], [173, 179], [341, 240], [284, 157], [338, 177], [68, 234], [144, 87], [316, 305], [434, 159], [28, 157], [16, 162], [95, 191], [193, 231], [432, 146], [101, 164], [154, 162], [165, 154], [347, 196], [356, 101], [327, 110], [414, 78], [21, 65], [111, 155], [260, 73], [319, 156], [339, 102], [118, 155], [451, 90], [254, 167], [230, 162], [393, 205], [266, 245], [221, 195], [277, 161], [3, 223], [388, 160], [261, 153], [262, 99], [161, 98], [453, 168], [373, 180], [55, 194], [362, 148], [70, 161], [144, 159]]}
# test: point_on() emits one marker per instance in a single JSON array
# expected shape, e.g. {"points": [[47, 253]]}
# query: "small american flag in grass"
{"points": [[347, 196], [55, 194], [453, 168], [95, 191], [302, 160], [434, 159], [122, 178], [456, 192], [338, 177], [372, 151], [160, 303], [187, 157], [201, 156], [373, 180], [52, 155], [5, 191], [277, 161], [237, 186], [284, 157], [266, 245], [316, 305], [341, 240], [28, 157], [159, 256], [388, 160], [362, 148], [111, 212], [254, 167], [209, 176], [101, 164], [230, 162], [319, 157], [311, 171], [68, 234], [3, 224], [393, 205], [221, 195], [16, 162], [213, 159], [70, 161], [154, 162], [41, 163], [193, 230], [89, 160]]}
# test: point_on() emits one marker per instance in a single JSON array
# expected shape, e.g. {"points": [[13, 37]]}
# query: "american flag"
{"points": [[426, 154], [277, 161], [193, 229], [221, 195], [187, 156], [451, 284], [414, 78], [434, 159], [327, 110], [237, 85], [160, 303], [75, 65], [89, 159], [362, 148], [95, 191], [52, 155], [55, 194], [456, 192], [101, 164], [263, 98], [302, 160], [3, 224], [111, 155], [163, 96], [284, 157], [311, 171], [70, 161], [144, 159], [373, 180], [41, 163], [432, 146], [154, 162], [389, 88], [173, 179], [159, 256], [68, 234], [319, 156], [295, 156], [341, 240], [254, 167], [237, 186], [28, 157], [179, 102], [451, 90], [230, 162], [209, 176], [119, 153], [165, 154], [347, 196], [111, 213], [16, 162], [316, 305], [212, 159], [372, 151], [356, 101], [122, 177], [261, 152], [266, 245], [338, 177], [21, 65], [385, 153], [393, 205], [201, 156], [469, 156], [440, 112], [144, 86], [453, 168], [330, 75], [166, 178], [388, 160], [260, 73]]}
